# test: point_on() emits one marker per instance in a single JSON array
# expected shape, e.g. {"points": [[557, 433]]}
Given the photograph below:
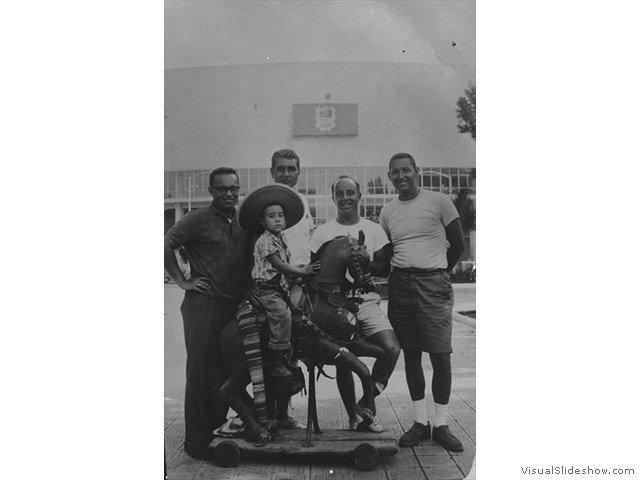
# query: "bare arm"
{"points": [[455, 237], [171, 266], [381, 264], [293, 270]]}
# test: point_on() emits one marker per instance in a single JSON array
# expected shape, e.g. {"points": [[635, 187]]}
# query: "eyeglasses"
{"points": [[223, 190]]}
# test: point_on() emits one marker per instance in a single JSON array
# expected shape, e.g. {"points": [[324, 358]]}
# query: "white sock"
{"points": [[440, 417], [420, 411]]}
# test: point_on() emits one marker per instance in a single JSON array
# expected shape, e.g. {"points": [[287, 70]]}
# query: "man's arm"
{"points": [[455, 237], [171, 266], [381, 264]]}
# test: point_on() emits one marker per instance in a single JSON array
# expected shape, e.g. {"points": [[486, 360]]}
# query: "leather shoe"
{"points": [[415, 434], [290, 424], [448, 440]]}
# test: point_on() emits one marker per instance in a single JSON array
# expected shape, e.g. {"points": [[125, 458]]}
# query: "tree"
{"points": [[466, 111], [466, 209]]}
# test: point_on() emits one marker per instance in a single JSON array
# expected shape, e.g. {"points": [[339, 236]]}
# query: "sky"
{"points": [[215, 33]]}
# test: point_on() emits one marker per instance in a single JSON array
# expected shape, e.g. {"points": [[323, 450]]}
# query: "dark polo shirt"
{"points": [[216, 248]]}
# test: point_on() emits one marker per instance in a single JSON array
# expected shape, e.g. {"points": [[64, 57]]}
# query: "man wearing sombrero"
{"points": [[269, 210]]}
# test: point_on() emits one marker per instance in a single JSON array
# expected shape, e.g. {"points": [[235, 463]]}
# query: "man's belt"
{"points": [[419, 271]]}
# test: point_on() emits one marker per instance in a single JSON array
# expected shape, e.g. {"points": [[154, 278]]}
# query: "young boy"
{"points": [[271, 286]]}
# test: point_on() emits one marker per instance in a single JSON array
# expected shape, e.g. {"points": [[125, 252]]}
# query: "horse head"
{"points": [[341, 254]]}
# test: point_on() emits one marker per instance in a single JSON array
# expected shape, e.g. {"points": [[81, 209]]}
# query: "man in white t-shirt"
{"points": [[425, 230], [285, 169], [374, 326]]}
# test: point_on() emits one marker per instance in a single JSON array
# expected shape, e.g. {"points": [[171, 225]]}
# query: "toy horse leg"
{"points": [[316, 425], [238, 399], [311, 403], [271, 404]]}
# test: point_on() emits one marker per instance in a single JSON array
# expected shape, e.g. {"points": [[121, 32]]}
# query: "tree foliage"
{"points": [[466, 209], [376, 186], [466, 111]]}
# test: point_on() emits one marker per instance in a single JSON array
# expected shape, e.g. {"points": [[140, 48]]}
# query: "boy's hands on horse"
{"points": [[311, 268], [293, 270]]}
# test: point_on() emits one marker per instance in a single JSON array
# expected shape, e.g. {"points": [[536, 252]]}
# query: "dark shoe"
{"points": [[287, 385], [278, 370], [290, 424], [415, 435], [200, 452], [448, 440], [276, 363]]}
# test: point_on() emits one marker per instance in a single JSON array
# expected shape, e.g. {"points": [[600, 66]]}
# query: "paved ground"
{"points": [[426, 461]]}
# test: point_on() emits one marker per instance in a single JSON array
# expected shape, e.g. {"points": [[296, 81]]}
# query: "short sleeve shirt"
{"points": [[416, 229], [297, 236], [267, 245], [216, 248], [375, 237]]}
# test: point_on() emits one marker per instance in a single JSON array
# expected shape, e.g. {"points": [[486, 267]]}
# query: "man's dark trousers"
{"points": [[204, 409]]}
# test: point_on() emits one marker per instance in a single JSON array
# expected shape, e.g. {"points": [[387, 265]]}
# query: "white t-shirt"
{"points": [[374, 236], [416, 229], [297, 237]]}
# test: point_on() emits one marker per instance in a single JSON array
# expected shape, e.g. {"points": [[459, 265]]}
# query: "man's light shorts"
{"points": [[420, 306], [371, 317]]}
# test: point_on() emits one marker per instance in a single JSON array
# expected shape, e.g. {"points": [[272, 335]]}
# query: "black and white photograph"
{"points": [[320, 239], [319, 166]]}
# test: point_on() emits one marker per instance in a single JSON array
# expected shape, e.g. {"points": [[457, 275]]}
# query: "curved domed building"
{"points": [[344, 84]]}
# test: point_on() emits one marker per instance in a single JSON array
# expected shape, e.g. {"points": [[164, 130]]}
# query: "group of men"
{"points": [[417, 243]]}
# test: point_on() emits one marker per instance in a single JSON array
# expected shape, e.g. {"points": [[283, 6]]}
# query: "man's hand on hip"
{"points": [[200, 284]]}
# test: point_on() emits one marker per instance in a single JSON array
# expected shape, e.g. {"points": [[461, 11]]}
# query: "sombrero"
{"points": [[254, 204]]}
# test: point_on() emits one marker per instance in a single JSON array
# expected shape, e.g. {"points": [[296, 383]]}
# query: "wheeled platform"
{"points": [[364, 448]]}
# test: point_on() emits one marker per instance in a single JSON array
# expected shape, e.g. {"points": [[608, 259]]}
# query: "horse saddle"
{"points": [[259, 310]]}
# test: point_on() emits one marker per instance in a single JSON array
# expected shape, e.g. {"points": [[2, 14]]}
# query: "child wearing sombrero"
{"points": [[271, 273]]}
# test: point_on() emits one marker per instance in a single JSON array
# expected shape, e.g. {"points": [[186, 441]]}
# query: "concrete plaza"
{"points": [[426, 461]]}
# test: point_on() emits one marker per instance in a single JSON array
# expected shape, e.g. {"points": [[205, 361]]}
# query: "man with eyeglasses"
{"points": [[426, 234], [216, 249]]}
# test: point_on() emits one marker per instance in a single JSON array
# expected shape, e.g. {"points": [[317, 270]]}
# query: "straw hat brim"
{"points": [[252, 206]]}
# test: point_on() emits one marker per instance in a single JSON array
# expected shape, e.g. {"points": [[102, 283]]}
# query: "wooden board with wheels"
{"points": [[364, 448]]}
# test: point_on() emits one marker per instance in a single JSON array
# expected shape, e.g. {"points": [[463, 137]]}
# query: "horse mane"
{"points": [[322, 248]]}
